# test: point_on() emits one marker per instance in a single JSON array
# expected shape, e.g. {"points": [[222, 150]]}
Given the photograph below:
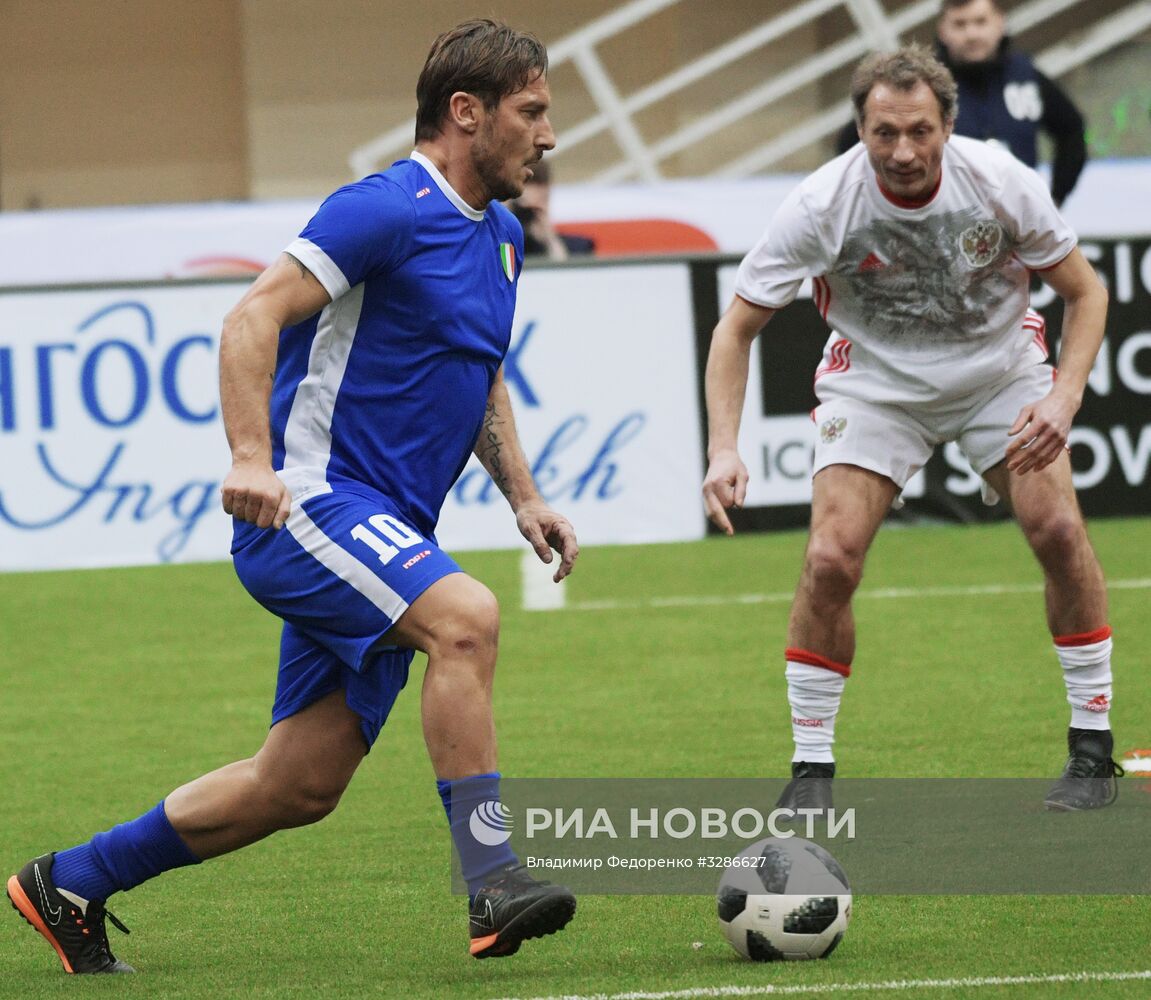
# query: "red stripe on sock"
{"points": [[1084, 638], [815, 660]]}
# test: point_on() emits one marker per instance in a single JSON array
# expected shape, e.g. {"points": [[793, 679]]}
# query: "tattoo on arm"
{"points": [[299, 264], [489, 450]]}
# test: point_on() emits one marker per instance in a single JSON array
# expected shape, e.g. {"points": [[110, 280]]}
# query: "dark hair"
{"points": [[903, 69], [946, 5], [480, 57]]}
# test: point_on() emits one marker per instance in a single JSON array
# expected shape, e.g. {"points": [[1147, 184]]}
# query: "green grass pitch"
{"points": [[119, 685]]}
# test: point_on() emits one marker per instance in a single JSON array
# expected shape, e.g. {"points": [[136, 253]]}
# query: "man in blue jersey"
{"points": [[358, 374]]}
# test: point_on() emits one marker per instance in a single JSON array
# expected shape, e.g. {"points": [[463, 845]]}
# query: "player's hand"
{"points": [[547, 530], [1040, 434], [254, 493], [724, 488]]}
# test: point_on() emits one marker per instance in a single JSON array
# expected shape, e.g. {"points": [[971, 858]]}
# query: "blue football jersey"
{"points": [[387, 384]]}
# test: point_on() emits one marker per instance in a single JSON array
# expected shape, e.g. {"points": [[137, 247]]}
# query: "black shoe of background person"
{"points": [[1088, 779], [809, 788]]}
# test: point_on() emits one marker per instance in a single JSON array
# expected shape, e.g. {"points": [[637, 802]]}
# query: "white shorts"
{"points": [[896, 441]]}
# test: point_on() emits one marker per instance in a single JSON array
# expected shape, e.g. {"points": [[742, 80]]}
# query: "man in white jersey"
{"points": [[920, 247]]}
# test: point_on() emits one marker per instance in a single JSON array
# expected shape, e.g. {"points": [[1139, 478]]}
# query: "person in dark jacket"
{"points": [[1003, 97], [541, 238]]}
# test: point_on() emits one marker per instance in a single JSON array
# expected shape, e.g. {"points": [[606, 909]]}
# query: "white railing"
{"points": [[875, 29]]}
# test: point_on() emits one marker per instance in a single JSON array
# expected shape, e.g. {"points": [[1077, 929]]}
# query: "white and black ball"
{"points": [[784, 899]]}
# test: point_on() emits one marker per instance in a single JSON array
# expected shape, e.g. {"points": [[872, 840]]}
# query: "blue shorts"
{"points": [[340, 573]]}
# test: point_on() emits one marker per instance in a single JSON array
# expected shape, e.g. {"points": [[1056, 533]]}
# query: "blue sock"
{"points": [[461, 799], [122, 857]]}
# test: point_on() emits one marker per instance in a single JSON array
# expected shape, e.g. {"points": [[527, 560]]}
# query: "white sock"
{"points": [[1086, 662], [814, 691]]}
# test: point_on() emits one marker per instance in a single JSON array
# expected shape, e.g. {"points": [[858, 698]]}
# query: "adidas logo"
{"points": [[1100, 703], [872, 263]]}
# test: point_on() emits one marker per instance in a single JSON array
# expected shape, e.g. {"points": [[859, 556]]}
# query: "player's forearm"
{"points": [[725, 384], [1084, 320], [248, 347], [498, 449]]}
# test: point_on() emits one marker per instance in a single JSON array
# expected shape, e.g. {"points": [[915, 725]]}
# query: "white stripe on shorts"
{"points": [[345, 565]]}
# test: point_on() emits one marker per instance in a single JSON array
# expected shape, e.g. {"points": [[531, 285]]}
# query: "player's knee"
{"points": [[472, 627], [309, 799], [1058, 538], [832, 568]]}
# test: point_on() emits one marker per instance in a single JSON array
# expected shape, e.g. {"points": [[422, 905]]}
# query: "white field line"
{"points": [[786, 597], [890, 986], [540, 593]]}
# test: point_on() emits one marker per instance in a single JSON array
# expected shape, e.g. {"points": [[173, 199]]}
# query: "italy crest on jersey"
{"points": [[980, 243], [508, 259]]}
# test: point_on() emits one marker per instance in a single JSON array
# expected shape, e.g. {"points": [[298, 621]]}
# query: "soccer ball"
{"points": [[784, 899]]}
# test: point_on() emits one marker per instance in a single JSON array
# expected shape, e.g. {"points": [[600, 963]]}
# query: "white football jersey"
{"points": [[926, 303]]}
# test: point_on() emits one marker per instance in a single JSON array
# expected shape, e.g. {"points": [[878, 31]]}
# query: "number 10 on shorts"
{"points": [[387, 538]]}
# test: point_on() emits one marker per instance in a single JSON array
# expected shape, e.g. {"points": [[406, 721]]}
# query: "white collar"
{"points": [[475, 214]]}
